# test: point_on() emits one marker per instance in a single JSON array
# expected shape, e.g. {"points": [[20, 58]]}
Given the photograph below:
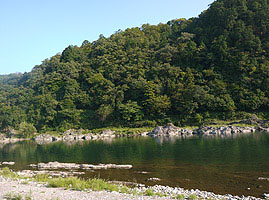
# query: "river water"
{"points": [[220, 165]]}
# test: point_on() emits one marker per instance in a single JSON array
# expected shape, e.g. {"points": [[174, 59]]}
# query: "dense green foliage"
{"points": [[216, 65]]}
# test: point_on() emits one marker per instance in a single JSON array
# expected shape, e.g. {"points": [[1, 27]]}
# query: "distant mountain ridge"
{"points": [[9, 77], [185, 71]]}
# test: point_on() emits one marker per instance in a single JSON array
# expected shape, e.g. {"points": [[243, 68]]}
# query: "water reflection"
{"points": [[222, 165], [162, 140]]}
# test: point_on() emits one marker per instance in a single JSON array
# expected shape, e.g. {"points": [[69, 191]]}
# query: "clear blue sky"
{"points": [[33, 30]]}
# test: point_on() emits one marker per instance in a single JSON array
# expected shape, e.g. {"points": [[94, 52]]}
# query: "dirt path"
{"points": [[39, 192]]}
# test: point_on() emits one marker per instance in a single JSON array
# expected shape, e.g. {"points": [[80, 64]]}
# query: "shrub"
{"points": [[149, 192], [192, 197], [80, 184], [180, 197], [26, 129], [6, 172]]}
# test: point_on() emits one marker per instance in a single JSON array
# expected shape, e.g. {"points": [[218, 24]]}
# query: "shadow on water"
{"points": [[220, 165]]}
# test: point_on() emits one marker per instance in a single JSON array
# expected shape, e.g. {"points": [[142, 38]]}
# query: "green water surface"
{"points": [[220, 165]]}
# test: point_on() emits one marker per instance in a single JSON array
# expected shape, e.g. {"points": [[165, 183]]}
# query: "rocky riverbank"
{"points": [[160, 131], [171, 130], [10, 136], [73, 135], [251, 125]]}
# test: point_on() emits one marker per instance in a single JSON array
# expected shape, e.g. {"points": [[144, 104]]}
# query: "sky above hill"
{"points": [[33, 30]]}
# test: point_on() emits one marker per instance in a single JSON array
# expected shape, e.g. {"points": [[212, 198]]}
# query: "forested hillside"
{"points": [[184, 71]]}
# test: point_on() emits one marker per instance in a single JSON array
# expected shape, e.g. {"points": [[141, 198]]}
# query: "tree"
{"points": [[131, 111], [26, 129]]}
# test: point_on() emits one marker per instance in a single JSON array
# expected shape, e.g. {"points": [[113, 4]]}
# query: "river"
{"points": [[220, 165]]}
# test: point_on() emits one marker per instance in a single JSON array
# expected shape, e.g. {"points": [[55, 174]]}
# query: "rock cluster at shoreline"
{"points": [[72, 135], [58, 165], [169, 130], [227, 131], [30, 173]]}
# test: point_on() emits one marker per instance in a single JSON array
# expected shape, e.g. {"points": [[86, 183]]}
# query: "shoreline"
{"points": [[169, 130], [80, 135], [42, 190]]}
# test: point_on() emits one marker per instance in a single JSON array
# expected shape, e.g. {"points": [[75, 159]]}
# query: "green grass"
{"points": [[25, 182], [41, 178], [180, 197], [124, 130], [245, 125], [15, 196], [159, 194], [192, 197], [6, 172], [71, 182], [81, 184], [189, 127], [149, 192]]}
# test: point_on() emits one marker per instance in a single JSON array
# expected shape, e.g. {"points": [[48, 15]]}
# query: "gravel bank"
{"points": [[40, 192], [195, 194]]}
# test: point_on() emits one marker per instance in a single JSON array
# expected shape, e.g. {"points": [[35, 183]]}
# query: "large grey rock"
{"points": [[108, 133], [157, 131], [44, 139], [69, 138], [169, 130], [70, 132], [262, 129], [86, 137]]}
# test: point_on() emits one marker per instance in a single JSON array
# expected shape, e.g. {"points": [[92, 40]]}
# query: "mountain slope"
{"points": [[188, 71]]}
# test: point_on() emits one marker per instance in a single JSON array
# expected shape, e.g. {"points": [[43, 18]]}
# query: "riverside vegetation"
{"points": [[90, 185], [187, 71]]}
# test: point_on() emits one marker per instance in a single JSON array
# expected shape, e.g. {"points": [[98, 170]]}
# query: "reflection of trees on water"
{"points": [[238, 152], [20, 152], [205, 162], [171, 139]]}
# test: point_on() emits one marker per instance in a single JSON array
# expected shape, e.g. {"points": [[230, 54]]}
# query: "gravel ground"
{"points": [[170, 191], [40, 192]]}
